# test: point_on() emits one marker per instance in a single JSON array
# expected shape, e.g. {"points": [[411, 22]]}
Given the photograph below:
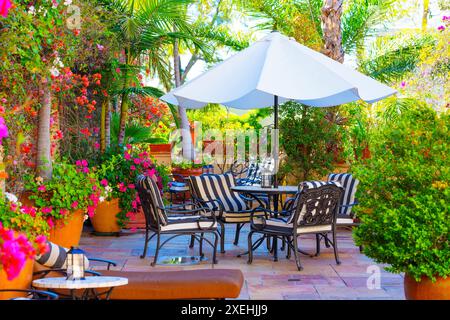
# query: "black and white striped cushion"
{"points": [[282, 226], [56, 257], [218, 186], [187, 223], [148, 183], [350, 185]]}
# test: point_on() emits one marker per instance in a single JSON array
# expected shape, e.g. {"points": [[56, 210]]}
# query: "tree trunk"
{"points": [[108, 125], [44, 161], [105, 125], [187, 144], [331, 26], [123, 118], [426, 8]]}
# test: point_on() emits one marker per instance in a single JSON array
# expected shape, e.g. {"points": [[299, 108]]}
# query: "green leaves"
{"points": [[404, 195], [306, 138]]}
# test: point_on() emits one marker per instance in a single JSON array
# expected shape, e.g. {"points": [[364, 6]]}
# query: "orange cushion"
{"points": [[186, 284]]}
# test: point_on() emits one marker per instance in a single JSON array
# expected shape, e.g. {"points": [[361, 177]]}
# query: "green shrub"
{"points": [[405, 197], [306, 137]]}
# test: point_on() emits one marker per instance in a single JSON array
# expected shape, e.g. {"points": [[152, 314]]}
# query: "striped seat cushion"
{"points": [[218, 187], [350, 184], [237, 217], [147, 183], [185, 223], [56, 257], [278, 225]]}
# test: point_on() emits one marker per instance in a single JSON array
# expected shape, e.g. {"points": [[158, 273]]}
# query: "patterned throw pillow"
{"points": [[56, 257]]}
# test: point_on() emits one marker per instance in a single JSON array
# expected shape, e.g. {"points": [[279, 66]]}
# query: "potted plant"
{"points": [[23, 233], [187, 168], [117, 174], [404, 195], [64, 200]]}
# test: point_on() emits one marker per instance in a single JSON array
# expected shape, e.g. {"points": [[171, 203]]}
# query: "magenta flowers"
{"points": [[5, 5], [3, 128], [14, 251]]}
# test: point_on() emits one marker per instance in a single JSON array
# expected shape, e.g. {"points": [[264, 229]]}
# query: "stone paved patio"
{"points": [[264, 279]]}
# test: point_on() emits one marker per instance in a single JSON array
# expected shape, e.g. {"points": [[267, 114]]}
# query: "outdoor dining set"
{"points": [[217, 200]]}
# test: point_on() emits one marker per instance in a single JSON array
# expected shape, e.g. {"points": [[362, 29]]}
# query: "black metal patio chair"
{"points": [[173, 220], [313, 211], [213, 191]]}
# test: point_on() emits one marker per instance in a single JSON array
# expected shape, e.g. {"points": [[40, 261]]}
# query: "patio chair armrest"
{"points": [[288, 203], [267, 214], [349, 205], [253, 198], [204, 218], [93, 273], [35, 293], [216, 202], [179, 176], [184, 211], [108, 262]]}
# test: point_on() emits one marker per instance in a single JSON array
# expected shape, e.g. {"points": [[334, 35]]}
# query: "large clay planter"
{"points": [[104, 220], [426, 289], [21, 282], [68, 234]]}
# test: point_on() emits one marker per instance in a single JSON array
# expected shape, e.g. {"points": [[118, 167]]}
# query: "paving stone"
{"points": [[321, 277]]}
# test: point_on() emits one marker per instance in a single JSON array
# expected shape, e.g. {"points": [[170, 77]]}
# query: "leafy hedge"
{"points": [[405, 196]]}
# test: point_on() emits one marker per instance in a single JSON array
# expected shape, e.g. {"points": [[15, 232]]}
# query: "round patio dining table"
{"points": [[274, 193]]}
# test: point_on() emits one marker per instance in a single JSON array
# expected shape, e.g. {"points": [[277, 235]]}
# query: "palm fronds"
{"points": [[393, 60]]}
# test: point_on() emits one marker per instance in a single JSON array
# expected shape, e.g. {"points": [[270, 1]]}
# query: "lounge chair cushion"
{"points": [[56, 257], [170, 285]]}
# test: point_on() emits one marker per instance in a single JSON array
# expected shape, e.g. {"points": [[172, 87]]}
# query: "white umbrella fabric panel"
{"points": [[278, 66]]}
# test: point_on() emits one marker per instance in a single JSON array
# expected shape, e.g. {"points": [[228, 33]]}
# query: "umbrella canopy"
{"points": [[278, 66]]}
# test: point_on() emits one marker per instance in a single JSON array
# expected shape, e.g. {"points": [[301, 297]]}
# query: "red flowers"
{"points": [[86, 132]]}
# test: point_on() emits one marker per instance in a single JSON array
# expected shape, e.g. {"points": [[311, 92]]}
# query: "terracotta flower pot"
{"points": [[68, 234], [187, 172], [104, 220], [426, 289], [21, 282]]}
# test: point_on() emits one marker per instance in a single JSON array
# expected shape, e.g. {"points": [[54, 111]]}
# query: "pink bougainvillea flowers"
{"points": [[3, 128], [5, 5]]}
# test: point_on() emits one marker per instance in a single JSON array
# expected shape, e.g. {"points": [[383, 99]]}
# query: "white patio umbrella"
{"points": [[274, 70]]}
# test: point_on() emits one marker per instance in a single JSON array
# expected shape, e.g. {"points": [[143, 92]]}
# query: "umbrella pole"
{"points": [[275, 106]]}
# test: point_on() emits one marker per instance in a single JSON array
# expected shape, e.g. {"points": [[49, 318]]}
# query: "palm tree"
{"points": [[144, 29]]}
